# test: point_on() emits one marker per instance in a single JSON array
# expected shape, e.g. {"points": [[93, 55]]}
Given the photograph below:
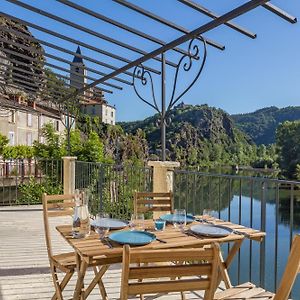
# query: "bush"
{"points": [[31, 192]]}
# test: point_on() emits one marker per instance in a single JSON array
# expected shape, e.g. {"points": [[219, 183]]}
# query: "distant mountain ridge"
{"points": [[261, 124]]}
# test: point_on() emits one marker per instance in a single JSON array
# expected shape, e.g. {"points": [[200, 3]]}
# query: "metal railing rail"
{"points": [[21, 178], [263, 203], [112, 186]]}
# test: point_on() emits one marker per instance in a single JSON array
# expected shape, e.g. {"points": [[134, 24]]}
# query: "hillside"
{"points": [[262, 124], [197, 135]]}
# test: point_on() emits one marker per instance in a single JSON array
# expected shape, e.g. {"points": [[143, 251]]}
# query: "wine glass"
{"points": [[207, 214], [179, 218], [102, 225], [137, 222]]}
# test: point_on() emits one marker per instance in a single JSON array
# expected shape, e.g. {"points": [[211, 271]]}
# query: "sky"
{"points": [[248, 75]]}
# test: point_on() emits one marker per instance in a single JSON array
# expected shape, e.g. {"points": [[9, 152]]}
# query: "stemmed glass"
{"points": [[207, 214], [137, 222], [179, 219], [102, 225]]}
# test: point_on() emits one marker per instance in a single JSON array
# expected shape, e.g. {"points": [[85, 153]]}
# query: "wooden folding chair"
{"points": [[200, 274], [248, 291], [57, 206], [158, 203]]}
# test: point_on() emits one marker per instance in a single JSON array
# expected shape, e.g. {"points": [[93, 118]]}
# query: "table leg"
{"points": [[98, 279], [225, 264], [79, 293]]}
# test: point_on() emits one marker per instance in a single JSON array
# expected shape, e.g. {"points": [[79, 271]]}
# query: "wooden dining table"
{"points": [[91, 250]]}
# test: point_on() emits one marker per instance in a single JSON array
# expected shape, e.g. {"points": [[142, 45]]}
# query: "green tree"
{"points": [[288, 145], [3, 143]]}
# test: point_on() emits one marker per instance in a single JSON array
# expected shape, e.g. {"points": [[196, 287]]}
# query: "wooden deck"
{"points": [[24, 272]]}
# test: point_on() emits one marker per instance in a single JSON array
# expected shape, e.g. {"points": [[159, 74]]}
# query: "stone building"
{"points": [[92, 105], [22, 123]]}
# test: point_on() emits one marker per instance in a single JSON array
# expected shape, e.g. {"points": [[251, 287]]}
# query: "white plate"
{"points": [[210, 230], [111, 223]]}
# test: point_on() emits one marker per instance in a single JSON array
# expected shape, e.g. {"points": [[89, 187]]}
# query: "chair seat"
{"points": [[245, 291], [65, 260]]}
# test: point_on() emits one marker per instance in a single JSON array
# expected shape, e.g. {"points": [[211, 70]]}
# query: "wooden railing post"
{"points": [[69, 174]]}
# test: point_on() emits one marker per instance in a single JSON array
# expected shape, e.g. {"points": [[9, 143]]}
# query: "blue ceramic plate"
{"points": [[133, 238], [211, 230], [111, 223], [170, 218]]}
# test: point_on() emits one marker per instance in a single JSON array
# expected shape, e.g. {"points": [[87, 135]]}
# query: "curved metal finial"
{"points": [[141, 74], [193, 55]]}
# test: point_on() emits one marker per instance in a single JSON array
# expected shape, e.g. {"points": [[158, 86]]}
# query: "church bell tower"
{"points": [[78, 72]]}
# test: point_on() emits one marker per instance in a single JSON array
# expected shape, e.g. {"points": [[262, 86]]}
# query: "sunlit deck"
{"points": [[24, 271]]}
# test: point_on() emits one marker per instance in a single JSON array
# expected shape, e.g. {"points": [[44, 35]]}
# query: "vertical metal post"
{"points": [[262, 263], [163, 107]]}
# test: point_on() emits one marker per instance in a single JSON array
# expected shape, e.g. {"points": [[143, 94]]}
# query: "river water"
{"points": [[240, 199]]}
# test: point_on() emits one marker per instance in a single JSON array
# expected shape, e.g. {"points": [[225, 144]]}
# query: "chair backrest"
{"points": [[153, 202], [200, 273], [291, 271], [55, 206]]}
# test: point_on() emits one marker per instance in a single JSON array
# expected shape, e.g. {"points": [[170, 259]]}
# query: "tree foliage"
{"points": [[261, 125], [287, 140]]}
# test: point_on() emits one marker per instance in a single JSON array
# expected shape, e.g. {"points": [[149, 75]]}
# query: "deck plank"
{"points": [[24, 267]]}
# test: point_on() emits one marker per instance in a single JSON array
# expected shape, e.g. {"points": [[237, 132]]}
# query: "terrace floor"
{"points": [[24, 271]]}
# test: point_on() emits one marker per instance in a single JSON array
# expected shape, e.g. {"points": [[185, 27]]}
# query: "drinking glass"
{"points": [[179, 218], [160, 225], [207, 214], [102, 225], [137, 222]]}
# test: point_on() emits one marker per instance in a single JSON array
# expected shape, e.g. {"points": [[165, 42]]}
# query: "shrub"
{"points": [[31, 192]]}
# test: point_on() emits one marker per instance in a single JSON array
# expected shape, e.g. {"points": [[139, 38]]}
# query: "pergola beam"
{"points": [[47, 55], [64, 50], [161, 20], [32, 49], [71, 40], [279, 12], [47, 64], [118, 24], [250, 5], [42, 77], [211, 14], [84, 29]]}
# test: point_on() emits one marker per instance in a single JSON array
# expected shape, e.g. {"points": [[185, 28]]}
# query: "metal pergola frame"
{"points": [[142, 74]]}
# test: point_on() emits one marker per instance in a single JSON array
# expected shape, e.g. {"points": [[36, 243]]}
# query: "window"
{"points": [[112, 114], [106, 112], [29, 119], [29, 139], [112, 122], [77, 69], [57, 125], [42, 121], [11, 138], [12, 117]]}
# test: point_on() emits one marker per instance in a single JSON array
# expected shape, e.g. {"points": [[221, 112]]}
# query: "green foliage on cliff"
{"points": [[118, 146], [198, 135], [261, 125]]}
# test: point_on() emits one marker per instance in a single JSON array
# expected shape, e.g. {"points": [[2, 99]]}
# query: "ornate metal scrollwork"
{"points": [[186, 63], [144, 76]]}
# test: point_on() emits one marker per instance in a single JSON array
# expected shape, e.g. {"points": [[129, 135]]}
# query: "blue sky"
{"points": [[248, 75]]}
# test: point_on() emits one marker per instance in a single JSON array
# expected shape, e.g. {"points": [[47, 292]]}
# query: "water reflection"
{"points": [[255, 202]]}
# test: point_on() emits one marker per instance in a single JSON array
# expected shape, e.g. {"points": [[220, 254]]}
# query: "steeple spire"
{"points": [[77, 59]]}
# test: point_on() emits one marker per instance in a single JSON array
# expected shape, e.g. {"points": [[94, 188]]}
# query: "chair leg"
{"points": [[140, 280], [64, 282], [58, 291], [101, 286]]}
